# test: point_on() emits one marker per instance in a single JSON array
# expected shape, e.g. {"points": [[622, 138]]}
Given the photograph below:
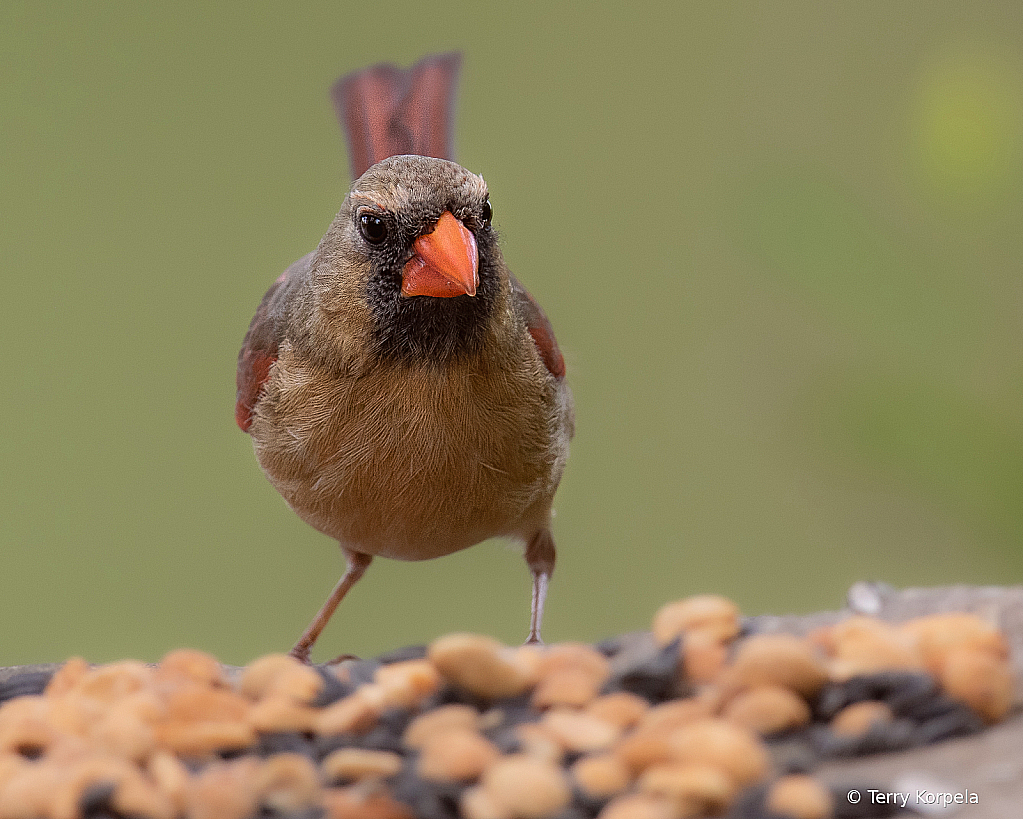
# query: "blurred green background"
{"points": [[781, 244]]}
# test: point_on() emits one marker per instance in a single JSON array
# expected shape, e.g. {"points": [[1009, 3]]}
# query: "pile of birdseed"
{"points": [[693, 718]]}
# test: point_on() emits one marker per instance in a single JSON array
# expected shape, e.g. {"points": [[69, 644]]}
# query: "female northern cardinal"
{"points": [[404, 392]]}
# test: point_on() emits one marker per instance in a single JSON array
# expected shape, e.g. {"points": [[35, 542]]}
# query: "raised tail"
{"points": [[385, 110]]}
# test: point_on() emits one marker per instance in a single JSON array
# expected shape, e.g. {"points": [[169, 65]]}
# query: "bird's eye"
{"points": [[372, 228], [487, 213]]}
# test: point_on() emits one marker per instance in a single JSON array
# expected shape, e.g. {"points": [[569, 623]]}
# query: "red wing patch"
{"points": [[539, 327], [253, 372], [553, 360], [263, 339]]}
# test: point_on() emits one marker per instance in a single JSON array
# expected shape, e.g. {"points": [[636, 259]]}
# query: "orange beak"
{"points": [[446, 262]]}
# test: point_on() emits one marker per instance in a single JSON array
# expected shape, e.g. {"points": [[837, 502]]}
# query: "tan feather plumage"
{"points": [[417, 457]]}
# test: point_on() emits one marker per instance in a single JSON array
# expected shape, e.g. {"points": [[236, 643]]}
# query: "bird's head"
{"points": [[414, 248]]}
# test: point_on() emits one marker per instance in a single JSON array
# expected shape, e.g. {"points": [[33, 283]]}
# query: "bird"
{"points": [[404, 393]]}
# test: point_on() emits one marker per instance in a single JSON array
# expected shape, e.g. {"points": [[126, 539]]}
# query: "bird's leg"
{"points": [[540, 555], [357, 563]]}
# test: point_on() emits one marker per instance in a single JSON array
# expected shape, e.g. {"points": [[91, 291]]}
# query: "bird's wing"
{"points": [[386, 111], [259, 349], [540, 329]]}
